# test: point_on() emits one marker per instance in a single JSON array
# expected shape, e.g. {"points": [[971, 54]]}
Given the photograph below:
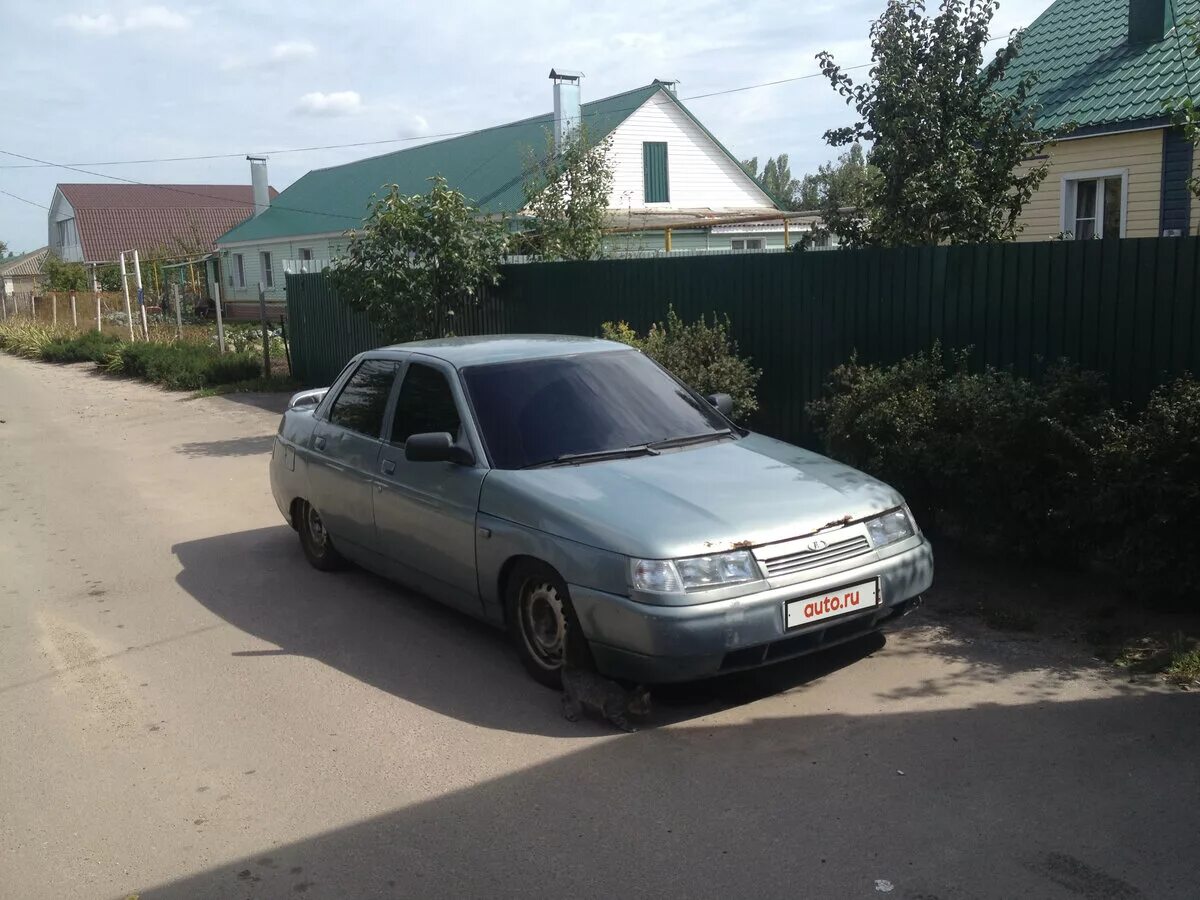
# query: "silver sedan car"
{"points": [[546, 484]]}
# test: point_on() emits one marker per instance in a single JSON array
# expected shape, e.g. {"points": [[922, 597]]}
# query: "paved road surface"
{"points": [[186, 710]]}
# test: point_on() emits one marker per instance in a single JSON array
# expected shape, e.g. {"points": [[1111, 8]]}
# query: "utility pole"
{"points": [[125, 287], [141, 294]]}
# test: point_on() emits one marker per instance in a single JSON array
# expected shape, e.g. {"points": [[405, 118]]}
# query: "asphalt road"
{"points": [[187, 710]]}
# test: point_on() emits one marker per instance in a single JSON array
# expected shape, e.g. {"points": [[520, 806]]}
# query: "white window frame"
{"points": [[264, 260], [1070, 181], [306, 254], [759, 243], [239, 267]]}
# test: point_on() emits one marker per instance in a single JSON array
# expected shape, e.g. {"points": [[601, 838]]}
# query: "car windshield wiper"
{"points": [[567, 459], [689, 439]]}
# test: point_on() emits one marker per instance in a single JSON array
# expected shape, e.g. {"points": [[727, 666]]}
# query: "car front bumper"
{"points": [[658, 644]]}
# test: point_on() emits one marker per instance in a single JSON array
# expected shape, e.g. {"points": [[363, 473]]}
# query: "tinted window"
{"points": [[361, 404], [538, 410], [426, 404]]}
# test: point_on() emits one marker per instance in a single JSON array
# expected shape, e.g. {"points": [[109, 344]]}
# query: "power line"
{"points": [[23, 200], [406, 139]]}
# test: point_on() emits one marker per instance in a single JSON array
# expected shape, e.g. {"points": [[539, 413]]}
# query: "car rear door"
{"points": [[425, 511], [345, 452]]}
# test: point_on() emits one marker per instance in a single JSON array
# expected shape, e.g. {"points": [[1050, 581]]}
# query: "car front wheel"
{"points": [[542, 622], [316, 541]]}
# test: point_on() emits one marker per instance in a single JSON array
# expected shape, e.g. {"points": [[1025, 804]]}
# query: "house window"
{"points": [[746, 244], [1094, 204], [655, 175], [268, 275], [306, 253], [239, 265]]}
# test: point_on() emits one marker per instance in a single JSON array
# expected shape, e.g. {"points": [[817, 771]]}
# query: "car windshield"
{"points": [[539, 410]]}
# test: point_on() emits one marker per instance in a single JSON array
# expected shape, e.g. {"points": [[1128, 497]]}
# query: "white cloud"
{"points": [[143, 18], [82, 22], [289, 51], [335, 103]]}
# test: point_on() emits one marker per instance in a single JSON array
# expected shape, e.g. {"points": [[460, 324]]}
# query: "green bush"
{"points": [[91, 346], [181, 366], [1040, 468], [700, 355], [1148, 493]]}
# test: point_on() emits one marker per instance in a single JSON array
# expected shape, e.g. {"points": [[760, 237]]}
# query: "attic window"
{"points": [[655, 175]]}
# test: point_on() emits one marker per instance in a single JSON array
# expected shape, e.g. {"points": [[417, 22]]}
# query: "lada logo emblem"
{"points": [[816, 545]]}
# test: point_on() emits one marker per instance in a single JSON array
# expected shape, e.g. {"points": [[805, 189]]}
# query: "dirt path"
{"points": [[186, 710]]}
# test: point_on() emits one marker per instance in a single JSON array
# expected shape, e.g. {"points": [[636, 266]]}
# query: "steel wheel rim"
{"points": [[316, 528], [543, 624]]}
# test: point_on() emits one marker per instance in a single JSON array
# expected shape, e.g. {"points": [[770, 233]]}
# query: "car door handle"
{"points": [[319, 443], [388, 467]]}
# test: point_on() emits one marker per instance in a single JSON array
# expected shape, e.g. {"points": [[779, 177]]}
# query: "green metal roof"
{"points": [[487, 166], [1089, 74]]}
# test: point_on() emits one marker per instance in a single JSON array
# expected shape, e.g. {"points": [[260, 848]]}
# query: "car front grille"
{"points": [[811, 559]]}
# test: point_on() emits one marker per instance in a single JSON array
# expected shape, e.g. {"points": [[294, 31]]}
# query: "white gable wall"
{"points": [[701, 175]]}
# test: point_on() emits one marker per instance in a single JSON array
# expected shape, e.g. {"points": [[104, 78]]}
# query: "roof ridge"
{"points": [[466, 134]]}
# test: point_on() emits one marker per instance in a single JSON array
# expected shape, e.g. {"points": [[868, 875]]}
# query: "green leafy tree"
{"points": [[840, 183], [109, 277], [3, 249], [64, 276], [947, 142], [566, 198], [1186, 109], [702, 356], [776, 179], [419, 260]]}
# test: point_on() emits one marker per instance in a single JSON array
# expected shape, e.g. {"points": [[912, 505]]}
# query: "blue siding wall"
{"points": [[1176, 169]]}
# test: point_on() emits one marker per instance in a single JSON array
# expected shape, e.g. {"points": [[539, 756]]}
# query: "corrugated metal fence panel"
{"points": [[324, 332], [1127, 308]]}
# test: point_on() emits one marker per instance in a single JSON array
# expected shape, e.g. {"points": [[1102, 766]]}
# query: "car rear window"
{"points": [[361, 404]]}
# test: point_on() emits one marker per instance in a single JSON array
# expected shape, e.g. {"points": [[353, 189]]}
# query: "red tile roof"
{"points": [[183, 218]]}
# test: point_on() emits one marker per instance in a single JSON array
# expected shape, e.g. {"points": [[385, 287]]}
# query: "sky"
{"points": [[121, 80]]}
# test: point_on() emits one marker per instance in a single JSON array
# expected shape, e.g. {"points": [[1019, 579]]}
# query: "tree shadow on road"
{"points": [[1087, 799]]}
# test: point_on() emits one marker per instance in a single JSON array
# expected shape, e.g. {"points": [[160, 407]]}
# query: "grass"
{"points": [[1176, 657], [272, 385]]}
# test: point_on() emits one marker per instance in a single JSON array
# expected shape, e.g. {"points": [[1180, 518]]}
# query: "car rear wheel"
{"points": [[542, 623], [316, 541]]}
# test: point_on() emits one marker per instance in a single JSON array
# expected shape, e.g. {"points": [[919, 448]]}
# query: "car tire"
{"points": [[316, 541], [542, 622]]}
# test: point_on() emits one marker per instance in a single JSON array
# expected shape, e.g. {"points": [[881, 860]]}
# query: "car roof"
{"points": [[485, 349]]}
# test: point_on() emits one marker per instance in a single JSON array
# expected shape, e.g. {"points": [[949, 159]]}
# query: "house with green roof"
{"points": [[1105, 70], [674, 185]]}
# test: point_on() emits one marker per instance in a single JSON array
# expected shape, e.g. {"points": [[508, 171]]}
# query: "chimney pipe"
{"points": [[258, 180], [1149, 20], [567, 112]]}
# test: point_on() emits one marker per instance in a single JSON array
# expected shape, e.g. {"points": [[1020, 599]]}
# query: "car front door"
{"points": [[345, 452], [425, 511]]}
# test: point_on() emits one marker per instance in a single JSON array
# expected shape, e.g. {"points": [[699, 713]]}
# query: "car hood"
{"points": [[691, 501]]}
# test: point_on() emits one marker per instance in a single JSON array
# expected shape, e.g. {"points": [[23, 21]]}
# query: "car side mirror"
{"points": [[723, 403], [436, 446]]}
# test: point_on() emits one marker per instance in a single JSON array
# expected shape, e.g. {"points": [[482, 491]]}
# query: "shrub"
{"points": [[1148, 492], [27, 338], [180, 366], [700, 355], [988, 457], [91, 346]]}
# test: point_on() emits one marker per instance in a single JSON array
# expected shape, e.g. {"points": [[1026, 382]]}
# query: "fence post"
{"points": [[262, 314], [32, 306], [98, 311], [220, 321], [54, 307], [74, 313], [178, 313], [125, 288]]}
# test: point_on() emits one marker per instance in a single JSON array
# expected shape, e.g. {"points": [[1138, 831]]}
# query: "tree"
{"points": [[566, 196], [1185, 110], [776, 179], [109, 277], [839, 184], [64, 276], [419, 260], [948, 144], [3, 249]]}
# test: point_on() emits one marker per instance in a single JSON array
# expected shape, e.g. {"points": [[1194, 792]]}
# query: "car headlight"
{"points": [[664, 576], [890, 527]]}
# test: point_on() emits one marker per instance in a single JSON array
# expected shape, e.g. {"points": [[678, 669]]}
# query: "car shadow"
{"points": [[420, 650]]}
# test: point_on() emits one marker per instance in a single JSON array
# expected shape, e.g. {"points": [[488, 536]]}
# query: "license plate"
{"points": [[849, 599]]}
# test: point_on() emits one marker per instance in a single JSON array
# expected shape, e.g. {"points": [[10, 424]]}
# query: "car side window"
{"points": [[361, 404], [426, 404]]}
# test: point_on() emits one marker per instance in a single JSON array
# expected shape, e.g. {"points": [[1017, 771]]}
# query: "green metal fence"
{"points": [[1127, 308]]}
